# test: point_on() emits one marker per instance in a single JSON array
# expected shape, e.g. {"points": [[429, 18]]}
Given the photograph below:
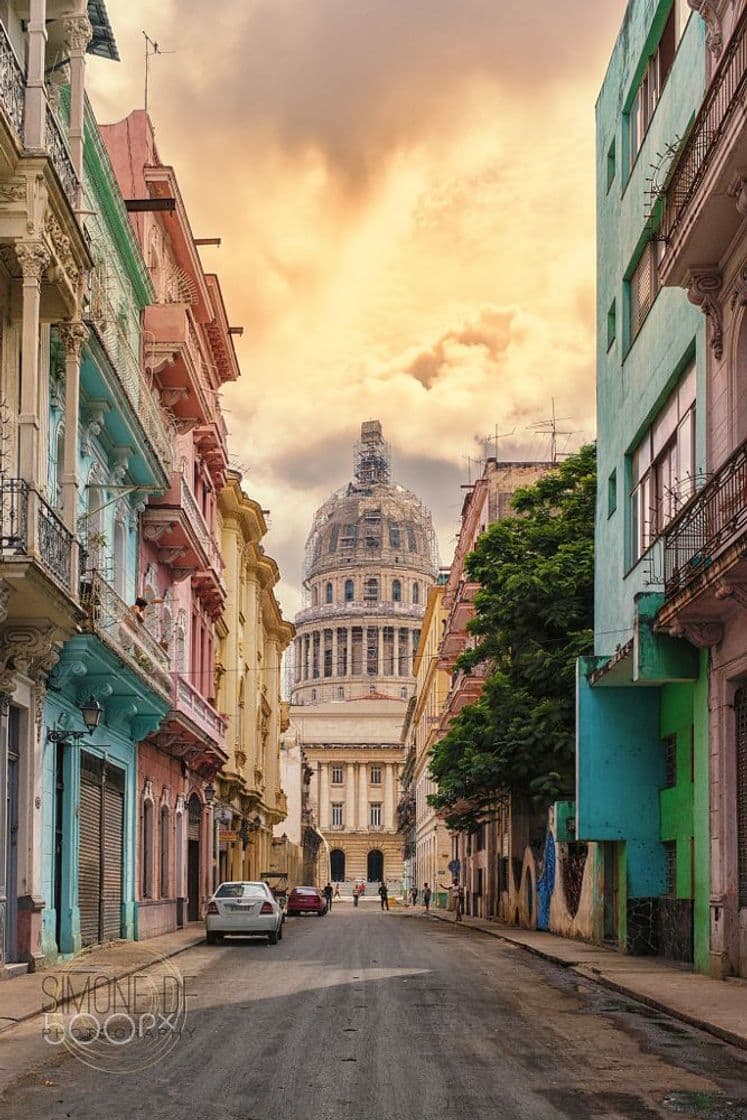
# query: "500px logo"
{"points": [[116, 1024]]}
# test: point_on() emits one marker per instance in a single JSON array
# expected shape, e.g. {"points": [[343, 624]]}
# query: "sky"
{"points": [[405, 195]]}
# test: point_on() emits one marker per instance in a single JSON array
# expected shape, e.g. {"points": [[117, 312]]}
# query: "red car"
{"points": [[306, 900]]}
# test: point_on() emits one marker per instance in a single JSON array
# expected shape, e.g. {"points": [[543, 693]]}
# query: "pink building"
{"points": [[189, 353]]}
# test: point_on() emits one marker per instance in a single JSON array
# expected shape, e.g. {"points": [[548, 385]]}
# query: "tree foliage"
{"points": [[533, 618]]}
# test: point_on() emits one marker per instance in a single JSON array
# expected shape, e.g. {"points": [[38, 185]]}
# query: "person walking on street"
{"points": [[337, 891], [426, 897], [459, 904], [384, 896], [327, 892], [356, 895], [414, 895], [456, 894]]}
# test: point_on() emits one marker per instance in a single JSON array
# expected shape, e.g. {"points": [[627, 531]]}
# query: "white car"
{"points": [[245, 909]]}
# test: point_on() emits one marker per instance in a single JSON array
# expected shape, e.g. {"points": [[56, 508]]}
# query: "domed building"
{"points": [[370, 559]]}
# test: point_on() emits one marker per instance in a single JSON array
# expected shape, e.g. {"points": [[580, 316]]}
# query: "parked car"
{"points": [[245, 909], [306, 900]]}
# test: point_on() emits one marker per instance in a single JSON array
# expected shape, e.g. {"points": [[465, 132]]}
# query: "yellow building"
{"points": [[249, 799], [432, 842]]}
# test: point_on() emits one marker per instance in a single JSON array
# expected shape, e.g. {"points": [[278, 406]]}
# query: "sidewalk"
{"points": [[716, 1006], [22, 997]]}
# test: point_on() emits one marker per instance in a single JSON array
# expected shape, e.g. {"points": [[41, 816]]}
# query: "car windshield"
{"points": [[306, 890], [240, 890]]}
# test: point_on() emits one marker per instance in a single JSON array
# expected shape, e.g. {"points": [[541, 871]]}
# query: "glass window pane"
{"points": [[664, 426], [686, 391]]}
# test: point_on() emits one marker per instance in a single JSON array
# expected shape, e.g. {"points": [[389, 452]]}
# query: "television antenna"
{"points": [[151, 48], [487, 440], [550, 428]]}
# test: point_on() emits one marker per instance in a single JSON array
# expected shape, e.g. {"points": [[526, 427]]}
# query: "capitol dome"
{"points": [[370, 559]]}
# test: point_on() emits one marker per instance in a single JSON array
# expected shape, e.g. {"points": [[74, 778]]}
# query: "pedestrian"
{"points": [[456, 899], [414, 895], [384, 896], [459, 904], [327, 892], [356, 896], [427, 897], [337, 891]]}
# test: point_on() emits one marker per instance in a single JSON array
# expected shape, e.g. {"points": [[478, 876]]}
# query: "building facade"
{"points": [[370, 561], [250, 800], [642, 701], [704, 225]]}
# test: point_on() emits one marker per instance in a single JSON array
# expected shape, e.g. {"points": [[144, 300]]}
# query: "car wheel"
{"points": [[272, 938], [320, 913], [211, 938]]}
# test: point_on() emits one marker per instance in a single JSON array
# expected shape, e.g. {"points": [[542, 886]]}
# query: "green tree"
{"points": [[533, 618]]}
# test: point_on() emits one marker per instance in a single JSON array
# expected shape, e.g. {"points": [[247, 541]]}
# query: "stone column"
{"points": [[74, 336], [388, 820], [350, 807], [396, 651], [36, 98], [380, 636], [324, 798], [362, 797], [349, 647], [33, 258], [78, 34], [334, 651]]}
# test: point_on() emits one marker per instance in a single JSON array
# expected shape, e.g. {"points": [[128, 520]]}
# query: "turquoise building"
{"points": [[642, 726], [114, 663]]}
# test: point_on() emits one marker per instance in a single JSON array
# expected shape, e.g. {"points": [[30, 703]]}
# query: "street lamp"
{"points": [[91, 712], [209, 792]]}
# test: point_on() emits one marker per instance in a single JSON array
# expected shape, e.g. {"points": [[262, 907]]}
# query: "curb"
{"points": [[612, 985], [29, 1015]]}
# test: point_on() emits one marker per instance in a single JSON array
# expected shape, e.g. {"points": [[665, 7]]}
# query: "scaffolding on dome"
{"points": [[373, 456]]}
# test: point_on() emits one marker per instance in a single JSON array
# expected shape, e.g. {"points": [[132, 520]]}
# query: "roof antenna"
{"points": [[151, 48]]}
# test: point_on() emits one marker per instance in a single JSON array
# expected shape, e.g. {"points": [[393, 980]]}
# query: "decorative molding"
{"points": [[739, 291], [738, 191], [153, 531], [34, 258], [701, 632], [93, 423], [736, 591], [714, 37], [13, 191], [5, 593], [74, 335], [61, 246], [171, 396], [703, 289], [78, 33]]}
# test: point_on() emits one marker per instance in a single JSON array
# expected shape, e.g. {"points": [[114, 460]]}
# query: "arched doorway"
{"points": [[337, 865], [194, 817], [375, 866]]}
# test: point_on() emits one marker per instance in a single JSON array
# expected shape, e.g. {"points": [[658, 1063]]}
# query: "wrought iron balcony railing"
{"points": [[114, 623], [29, 528], [712, 520], [12, 84], [60, 157], [723, 99]]}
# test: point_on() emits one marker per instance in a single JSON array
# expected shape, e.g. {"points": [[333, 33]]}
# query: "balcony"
{"points": [[706, 194], [34, 541], [174, 350], [176, 523], [187, 701], [12, 86], [705, 556], [61, 159], [114, 624]]}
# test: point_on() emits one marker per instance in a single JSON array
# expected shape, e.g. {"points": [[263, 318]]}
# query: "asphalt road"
{"points": [[364, 1015]]}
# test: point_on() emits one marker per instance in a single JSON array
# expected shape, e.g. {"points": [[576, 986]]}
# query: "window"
{"points": [[670, 761], [341, 693], [371, 591], [643, 286], [612, 493], [328, 593], [349, 590], [649, 89], [416, 592], [146, 869], [337, 814], [375, 775], [663, 467], [337, 775], [612, 324], [396, 591], [412, 543], [611, 165], [164, 845], [670, 847], [334, 534], [403, 692], [374, 814], [315, 596], [395, 538]]}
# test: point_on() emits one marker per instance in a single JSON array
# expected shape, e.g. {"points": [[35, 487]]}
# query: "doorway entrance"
{"points": [[101, 844], [11, 871], [337, 865], [194, 817], [375, 866]]}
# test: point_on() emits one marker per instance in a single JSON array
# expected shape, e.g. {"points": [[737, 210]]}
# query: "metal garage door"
{"points": [[100, 861]]}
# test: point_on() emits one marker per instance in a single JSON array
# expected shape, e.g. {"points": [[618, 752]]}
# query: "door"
{"points": [[337, 865], [194, 816], [740, 717], [11, 925], [375, 866], [610, 892], [101, 843]]}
